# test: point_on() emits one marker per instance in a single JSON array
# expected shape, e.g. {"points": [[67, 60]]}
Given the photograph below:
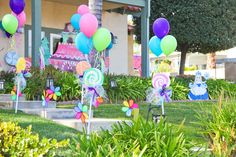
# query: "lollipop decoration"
{"points": [[81, 112], [159, 80], [129, 106], [160, 91], [93, 77]]}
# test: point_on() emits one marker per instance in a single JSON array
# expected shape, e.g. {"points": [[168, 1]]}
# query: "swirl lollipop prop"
{"points": [[92, 78], [159, 80]]}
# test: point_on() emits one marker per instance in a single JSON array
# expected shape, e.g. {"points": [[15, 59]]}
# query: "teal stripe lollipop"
{"points": [[93, 77]]}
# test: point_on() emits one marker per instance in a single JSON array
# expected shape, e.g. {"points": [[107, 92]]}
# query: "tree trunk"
{"points": [[211, 60], [182, 61], [95, 7]]}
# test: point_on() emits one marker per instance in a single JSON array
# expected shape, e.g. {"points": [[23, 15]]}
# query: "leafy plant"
{"points": [[15, 141], [139, 138], [219, 127]]}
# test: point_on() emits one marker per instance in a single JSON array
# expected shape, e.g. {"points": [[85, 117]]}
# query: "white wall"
{"points": [[118, 25]]}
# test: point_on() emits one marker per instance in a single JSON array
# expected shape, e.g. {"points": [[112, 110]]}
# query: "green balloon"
{"points": [[168, 44], [101, 39], [10, 23]]}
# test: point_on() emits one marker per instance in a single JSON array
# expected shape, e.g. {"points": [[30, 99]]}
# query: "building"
{"points": [[47, 18]]}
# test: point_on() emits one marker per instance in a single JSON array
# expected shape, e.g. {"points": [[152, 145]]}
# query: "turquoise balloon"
{"points": [[10, 23], [168, 44], [155, 46], [83, 43], [101, 39], [75, 20]]}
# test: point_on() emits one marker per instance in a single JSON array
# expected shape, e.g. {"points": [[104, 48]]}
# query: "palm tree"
{"points": [[95, 7]]}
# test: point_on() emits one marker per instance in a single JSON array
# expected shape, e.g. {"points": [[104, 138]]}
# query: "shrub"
{"points": [[219, 127], [15, 141], [9, 82], [137, 139]]}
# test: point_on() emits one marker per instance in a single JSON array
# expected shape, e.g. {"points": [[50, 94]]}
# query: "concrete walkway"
{"points": [[97, 124]]}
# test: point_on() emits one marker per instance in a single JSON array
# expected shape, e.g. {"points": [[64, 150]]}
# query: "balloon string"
{"points": [[12, 43]]}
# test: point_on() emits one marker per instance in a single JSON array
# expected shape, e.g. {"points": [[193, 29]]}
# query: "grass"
{"points": [[44, 127], [176, 113]]}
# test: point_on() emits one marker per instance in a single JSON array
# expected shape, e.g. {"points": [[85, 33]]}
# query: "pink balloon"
{"points": [[83, 9], [88, 24], [21, 18]]}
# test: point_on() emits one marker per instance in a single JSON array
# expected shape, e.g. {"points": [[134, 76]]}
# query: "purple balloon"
{"points": [[161, 27], [17, 6], [8, 34]]}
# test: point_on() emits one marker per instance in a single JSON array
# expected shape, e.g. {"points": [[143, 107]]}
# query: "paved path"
{"points": [[96, 123]]}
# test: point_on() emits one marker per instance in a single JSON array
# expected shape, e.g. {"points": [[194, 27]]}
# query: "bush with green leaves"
{"points": [[139, 138], [15, 141], [9, 81], [219, 127]]}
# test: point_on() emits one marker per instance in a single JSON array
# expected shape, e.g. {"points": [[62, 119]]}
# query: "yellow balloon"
{"points": [[20, 65]]}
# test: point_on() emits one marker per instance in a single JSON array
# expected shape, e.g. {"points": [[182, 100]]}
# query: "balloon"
{"points": [[17, 6], [21, 18], [83, 43], [101, 39], [75, 20], [168, 44], [88, 24], [110, 46], [161, 27], [83, 9], [10, 23], [155, 45], [81, 67]]}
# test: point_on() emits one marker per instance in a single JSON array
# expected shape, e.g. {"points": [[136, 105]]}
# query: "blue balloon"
{"points": [[110, 46], [83, 43], [155, 45], [75, 19]]}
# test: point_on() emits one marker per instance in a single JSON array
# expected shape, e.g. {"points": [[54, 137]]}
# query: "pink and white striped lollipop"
{"points": [[159, 80]]}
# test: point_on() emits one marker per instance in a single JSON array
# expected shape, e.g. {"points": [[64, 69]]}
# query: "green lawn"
{"points": [[44, 127], [176, 113]]}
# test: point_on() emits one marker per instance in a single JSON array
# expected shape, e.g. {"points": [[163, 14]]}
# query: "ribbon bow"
{"points": [[165, 93]]}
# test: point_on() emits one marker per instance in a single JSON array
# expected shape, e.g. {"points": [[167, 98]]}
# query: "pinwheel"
{"points": [[13, 93], [54, 92], [81, 112], [129, 106], [45, 98]]}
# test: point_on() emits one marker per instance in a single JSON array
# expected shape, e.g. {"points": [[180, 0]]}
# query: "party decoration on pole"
{"points": [[93, 77], [155, 46], [10, 24], [88, 24], [17, 6], [83, 9], [168, 44], [161, 91], [159, 80], [81, 112], [81, 67], [198, 89], [101, 39], [13, 93], [11, 58], [20, 65], [45, 99], [129, 106], [83, 43], [161, 27], [75, 21]]}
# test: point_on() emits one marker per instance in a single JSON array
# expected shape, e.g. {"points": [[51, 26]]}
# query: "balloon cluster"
{"points": [[16, 20], [89, 35], [162, 42]]}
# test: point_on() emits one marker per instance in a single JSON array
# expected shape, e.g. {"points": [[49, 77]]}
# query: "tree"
{"points": [[203, 26]]}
